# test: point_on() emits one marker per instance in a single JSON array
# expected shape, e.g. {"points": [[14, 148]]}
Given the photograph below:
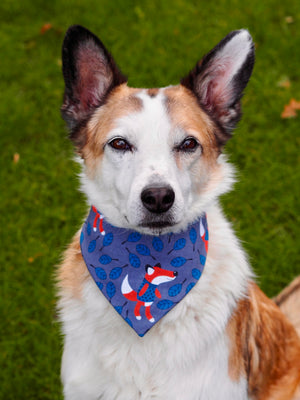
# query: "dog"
{"points": [[152, 165]]}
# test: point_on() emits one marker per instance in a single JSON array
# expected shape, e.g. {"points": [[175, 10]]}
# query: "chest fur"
{"points": [[173, 361]]}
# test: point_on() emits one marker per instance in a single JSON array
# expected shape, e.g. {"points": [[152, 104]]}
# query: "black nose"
{"points": [[158, 199]]}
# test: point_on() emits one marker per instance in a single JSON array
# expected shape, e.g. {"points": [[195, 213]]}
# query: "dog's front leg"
{"points": [[80, 374]]}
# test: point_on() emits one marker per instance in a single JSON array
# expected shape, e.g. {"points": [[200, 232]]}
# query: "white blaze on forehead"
{"points": [[153, 117], [149, 129]]}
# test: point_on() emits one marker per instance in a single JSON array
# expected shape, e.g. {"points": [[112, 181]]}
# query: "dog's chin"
{"points": [[158, 226]]}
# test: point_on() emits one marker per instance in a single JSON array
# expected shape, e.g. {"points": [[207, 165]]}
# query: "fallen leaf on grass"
{"points": [[33, 258], [45, 28], [295, 104], [16, 158], [289, 110]]}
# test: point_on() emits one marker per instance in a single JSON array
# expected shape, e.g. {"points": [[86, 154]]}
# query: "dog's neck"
{"points": [[143, 276]]}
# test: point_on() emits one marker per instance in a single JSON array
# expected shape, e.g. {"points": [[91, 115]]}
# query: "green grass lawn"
{"points": [[155, 42]]}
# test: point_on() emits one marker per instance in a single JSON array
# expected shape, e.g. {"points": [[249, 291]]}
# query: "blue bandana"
{"points": [[143, 276]]}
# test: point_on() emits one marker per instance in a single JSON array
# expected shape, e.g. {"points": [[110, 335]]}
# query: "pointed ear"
{"points": [[90, 73], [149, 269], [219, 79]]}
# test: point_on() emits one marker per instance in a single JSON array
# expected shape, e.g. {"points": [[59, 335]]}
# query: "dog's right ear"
{"points": [[90, 74]]}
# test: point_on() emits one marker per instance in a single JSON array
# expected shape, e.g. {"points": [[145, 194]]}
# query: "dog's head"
{"points": [[152, 158]]}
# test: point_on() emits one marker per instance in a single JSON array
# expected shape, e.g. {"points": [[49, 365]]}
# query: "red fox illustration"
{"points": [[148, 289]]}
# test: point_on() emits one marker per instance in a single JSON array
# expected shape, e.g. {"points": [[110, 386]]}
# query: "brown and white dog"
{"points": [[225, 340]]}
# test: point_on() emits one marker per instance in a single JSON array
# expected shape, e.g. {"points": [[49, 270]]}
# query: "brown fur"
{"points": [[289, 303], [152, 92], [264, 347], [73, 271], [185, 113], [121, 102]]}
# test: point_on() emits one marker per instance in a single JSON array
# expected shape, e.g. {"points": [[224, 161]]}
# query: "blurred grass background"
{"points": [[155, 42]]}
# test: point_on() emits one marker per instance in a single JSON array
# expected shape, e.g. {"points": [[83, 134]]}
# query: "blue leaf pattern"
{"points": [[89, 229], [157, 244], [134, 260], [202, 259], [179, 244], [108, 239], [178, 261], [81, 237], [193, 235], [105, 259], [92, 246], [143, 250], [115, 273], [164, 304], [196, 273], [110, 290], [133, 237], [100, 273], [175, 290]]}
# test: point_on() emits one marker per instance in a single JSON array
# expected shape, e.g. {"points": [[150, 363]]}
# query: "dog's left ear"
{"points": [[90, 74], [218, 80]]}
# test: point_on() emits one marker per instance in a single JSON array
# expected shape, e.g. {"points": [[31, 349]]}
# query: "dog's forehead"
{"points": [[169, 107], [152, 117]]}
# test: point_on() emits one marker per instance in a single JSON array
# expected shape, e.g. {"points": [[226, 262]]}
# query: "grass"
{"points": [[155, 43]]}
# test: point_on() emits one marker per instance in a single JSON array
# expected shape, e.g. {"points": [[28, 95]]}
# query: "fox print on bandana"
{"points": [[143, 276]]}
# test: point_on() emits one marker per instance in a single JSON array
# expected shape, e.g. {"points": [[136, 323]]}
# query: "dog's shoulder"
{"points": [[72, 272], [264, 348]]}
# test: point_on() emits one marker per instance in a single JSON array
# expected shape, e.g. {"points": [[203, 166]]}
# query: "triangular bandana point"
{"points": [[142, 276]]}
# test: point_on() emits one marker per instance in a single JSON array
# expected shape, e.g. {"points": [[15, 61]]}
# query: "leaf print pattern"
{"points": [[157, 244], [178, 245], [133, 237], [143, 250]]}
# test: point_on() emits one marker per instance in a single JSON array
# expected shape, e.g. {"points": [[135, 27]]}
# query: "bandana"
{"points": [[143, 276]]}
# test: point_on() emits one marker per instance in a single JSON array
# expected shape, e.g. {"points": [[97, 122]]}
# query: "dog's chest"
{"points": [[173, 361]]}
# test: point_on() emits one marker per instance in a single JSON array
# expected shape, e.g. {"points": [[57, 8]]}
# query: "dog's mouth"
{"points": [[158, 226]]}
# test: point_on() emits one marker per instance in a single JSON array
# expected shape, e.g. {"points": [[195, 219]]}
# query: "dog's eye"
{"points": [[189, 144], [120, 144]]}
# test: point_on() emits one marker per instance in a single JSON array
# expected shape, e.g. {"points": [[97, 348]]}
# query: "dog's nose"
{"points": [[158, 199]]}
